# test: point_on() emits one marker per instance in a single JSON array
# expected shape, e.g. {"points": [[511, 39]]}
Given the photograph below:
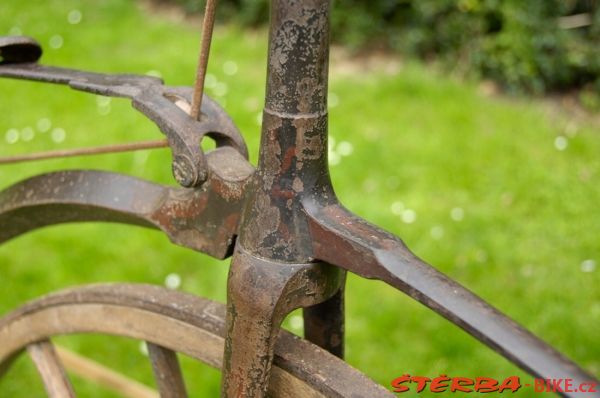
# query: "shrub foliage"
{"points": [[533, 45]]}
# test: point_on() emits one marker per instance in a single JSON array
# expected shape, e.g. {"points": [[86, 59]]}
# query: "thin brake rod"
{"points": [[165, 106], [98, 150], [207, 32]]}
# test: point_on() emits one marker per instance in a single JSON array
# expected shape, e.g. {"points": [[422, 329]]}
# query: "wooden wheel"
{"points": [[169, 322]]}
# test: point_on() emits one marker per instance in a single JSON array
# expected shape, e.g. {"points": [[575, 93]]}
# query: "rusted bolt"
{"points": [[186, 173]]}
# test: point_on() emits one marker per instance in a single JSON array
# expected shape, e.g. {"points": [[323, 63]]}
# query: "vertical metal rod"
{"points": [[298, 60], [273, 270], [260, 294], [293, 153], [207, 31]]}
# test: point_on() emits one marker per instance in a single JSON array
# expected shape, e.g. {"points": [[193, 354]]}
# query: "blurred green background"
{"points": [[500, 193], [533, 46]]}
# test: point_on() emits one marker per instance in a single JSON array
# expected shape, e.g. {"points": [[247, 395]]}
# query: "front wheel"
{"points": [[169, 322]]}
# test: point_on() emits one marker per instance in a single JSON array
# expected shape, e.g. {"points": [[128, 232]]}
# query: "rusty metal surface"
{"points": [[293, 154], [324, 323], [159, 103], [343, 238], [273, 251], [260, 294], [292, 215], [282, 218], [204, 219]]}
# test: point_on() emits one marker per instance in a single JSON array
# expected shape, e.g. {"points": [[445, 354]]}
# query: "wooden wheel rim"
{"points": [[181, 322]]}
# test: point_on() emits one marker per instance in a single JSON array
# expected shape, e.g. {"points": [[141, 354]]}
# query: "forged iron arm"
{"points": [[345, 240], [204, 219], [159, 103]]}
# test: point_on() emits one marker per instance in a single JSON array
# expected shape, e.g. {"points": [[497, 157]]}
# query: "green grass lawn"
{"points": [[501, 194]]}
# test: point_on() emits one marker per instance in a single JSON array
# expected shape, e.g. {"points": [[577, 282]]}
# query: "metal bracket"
{"points": [[164, 105]]}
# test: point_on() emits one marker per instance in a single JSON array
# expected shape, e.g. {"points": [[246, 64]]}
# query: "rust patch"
{"points": [[272, 154], [309, 141], [289, 156], [266, 220]]}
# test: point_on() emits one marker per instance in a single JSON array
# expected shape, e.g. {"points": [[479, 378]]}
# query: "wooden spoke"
{"points": [[51, 370], [5, 366], [166, 372], [180, 322], [103, 376]]}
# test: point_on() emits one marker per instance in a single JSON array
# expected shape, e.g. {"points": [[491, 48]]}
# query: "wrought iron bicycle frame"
{"points": [[290, 239]]}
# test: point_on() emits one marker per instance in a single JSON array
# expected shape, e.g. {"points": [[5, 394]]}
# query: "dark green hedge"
{"points": [[522, 44]]}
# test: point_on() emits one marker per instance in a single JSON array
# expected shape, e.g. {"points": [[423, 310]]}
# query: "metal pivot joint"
{"points": [[168, 107], [261, 293]]}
